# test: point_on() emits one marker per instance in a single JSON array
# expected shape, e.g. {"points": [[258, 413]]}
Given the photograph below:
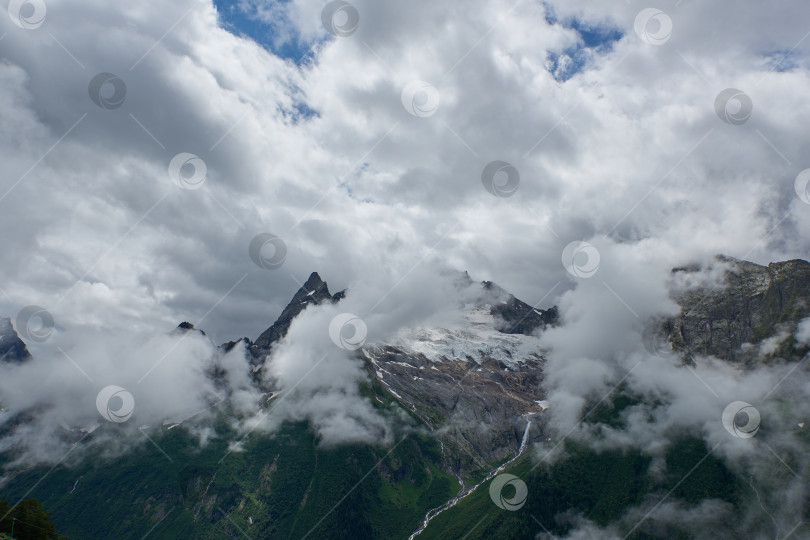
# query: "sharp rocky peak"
{"points": [[314, 291], [512, 315], [314, 281], [12, 348]]}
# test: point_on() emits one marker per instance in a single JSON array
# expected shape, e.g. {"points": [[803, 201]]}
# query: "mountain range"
{"points": [[468, 401]]}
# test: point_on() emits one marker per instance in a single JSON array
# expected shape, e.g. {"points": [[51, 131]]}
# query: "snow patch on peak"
{"points": [[474, 338]]}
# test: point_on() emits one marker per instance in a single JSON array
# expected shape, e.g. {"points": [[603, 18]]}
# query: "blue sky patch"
{"points": [[594, 39], [269, 26], [782, 60]]}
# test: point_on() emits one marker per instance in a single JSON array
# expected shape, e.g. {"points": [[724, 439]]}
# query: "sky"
{"points": [[360, 141]]}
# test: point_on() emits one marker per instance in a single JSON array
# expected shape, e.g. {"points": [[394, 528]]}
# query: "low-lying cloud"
{"points": [[598, 353]]}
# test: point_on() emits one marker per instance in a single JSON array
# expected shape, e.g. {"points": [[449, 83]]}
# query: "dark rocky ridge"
{"points": [[754, 303], [514, 316], [12, 348], [313, 292], [228, 346]]}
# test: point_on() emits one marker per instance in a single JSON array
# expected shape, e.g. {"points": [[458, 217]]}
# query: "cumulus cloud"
{"points": [[803, 332], [623, 148]]}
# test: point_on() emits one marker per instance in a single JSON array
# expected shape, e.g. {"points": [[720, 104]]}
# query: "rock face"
{"points": [[12, 348], [517, 317], [477, 407], [751, 304], [315, 291], [475, 383]]}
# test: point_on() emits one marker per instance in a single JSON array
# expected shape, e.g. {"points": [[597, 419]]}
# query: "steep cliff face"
{"points": [[313, 292], [12, 348], [750, 305]]}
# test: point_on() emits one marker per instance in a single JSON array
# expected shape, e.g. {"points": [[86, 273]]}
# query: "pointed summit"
{"points": [[314, 281], [314, 291]]}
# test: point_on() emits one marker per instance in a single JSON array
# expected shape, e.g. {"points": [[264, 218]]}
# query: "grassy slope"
{"points": [[600, 486], [285, 482], [288, 485]]}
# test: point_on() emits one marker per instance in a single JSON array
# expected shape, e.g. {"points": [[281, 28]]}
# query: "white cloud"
{"points": [[167, 376], [803, 332], [363, 181]]}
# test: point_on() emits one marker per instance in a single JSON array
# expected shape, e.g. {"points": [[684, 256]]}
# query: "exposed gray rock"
{"points": [[478, 410], [751, 304], [517, 317]]}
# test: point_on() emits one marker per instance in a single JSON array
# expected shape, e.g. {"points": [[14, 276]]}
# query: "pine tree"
{"points": [[28, 521]]}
